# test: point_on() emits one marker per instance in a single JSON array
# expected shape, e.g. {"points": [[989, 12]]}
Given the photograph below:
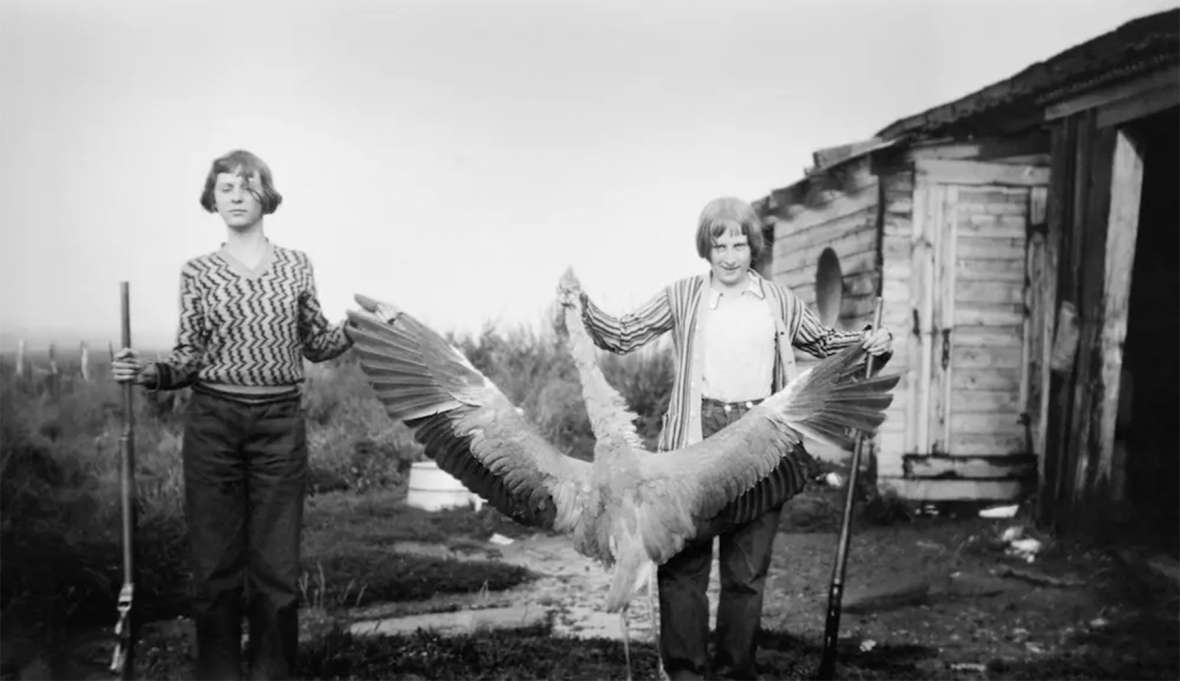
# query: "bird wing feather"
{"points": [[757, 463], [465, 423]]}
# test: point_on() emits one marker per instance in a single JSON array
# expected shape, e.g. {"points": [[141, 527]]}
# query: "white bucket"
{"points": [[433, 489]]}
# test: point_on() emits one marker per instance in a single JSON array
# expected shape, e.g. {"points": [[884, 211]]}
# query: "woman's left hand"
{"points": [[878, 341]]}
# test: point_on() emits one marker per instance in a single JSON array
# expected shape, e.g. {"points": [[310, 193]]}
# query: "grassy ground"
{"points": [[348, 561]]}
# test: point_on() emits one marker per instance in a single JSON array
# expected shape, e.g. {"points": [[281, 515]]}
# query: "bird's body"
{"points": [[631, 509]]}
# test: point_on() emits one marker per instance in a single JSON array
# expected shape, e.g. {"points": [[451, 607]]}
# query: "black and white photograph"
{"points": [[590, 339]]}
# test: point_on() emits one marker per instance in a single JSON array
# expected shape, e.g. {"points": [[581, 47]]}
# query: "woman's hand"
{"points": [[129, 368], [878, 341]]}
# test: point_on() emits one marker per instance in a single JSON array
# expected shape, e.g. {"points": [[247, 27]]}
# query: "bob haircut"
{"points": [[244, 164], [724, 213]]}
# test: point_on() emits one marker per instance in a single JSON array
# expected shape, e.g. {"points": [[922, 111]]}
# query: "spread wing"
{"points": [[466, 424], [753, 465]]}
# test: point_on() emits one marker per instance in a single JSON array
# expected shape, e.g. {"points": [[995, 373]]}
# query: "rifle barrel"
{"points": [[827, 666]]}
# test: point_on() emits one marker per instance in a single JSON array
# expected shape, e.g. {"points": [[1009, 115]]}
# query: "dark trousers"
{"points": [[684, 606], [245, 471]]}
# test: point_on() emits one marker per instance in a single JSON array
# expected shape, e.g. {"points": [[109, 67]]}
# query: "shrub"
{"points": [[536, 373]]}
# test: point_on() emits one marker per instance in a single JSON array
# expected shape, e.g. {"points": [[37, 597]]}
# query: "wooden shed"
{"points": [[1000, 230]]}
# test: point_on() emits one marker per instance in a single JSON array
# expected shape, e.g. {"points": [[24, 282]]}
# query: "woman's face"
{"points": [[730, 256], [236, 197]]}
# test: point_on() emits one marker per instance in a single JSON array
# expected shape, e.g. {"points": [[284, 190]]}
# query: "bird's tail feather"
{"points": [[632, 571]]}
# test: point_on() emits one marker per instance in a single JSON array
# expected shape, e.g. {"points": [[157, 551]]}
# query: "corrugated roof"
{"points": [[1143, 44]]}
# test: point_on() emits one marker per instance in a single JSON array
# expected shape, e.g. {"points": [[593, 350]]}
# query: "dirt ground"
{"points": [[928, 598]]}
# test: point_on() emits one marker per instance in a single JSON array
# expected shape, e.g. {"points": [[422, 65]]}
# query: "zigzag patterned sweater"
{"points": [[248, 327]]}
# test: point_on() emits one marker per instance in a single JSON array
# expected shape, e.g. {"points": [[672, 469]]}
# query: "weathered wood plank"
{"points": [[921, 304], [989, 336], [932, 490], [894, 250], [849, 264], [896, 227], [852, 307], [986, 379], [986, 423], [795, 277], [1039, 331], [964, 400], [985, 199], [1059, 220], [988, 247], [968, 357], [794, 237], [989, 269], [1004, 292], [799, 216], [1121, 91], [1121, 234], [896, 293], [859, 241], [974, 172], [891, 447], [1088, 393], [989, 314], [861, 283], [947, 215], [1154, 101], [995, 226], [993, 149], [896, 258], [1038, 200], [1004, 467], [987, 444]]}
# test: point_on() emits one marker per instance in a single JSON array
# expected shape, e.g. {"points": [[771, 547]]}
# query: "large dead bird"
{"points": [[631, 508]]}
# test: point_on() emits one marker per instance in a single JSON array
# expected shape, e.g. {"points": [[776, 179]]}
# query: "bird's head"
{"points": [[569, 301], [569, 289], [386, 312]]}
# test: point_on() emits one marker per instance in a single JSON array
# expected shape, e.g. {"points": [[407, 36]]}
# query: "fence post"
{"points": [[85, 360], [53, 373]]}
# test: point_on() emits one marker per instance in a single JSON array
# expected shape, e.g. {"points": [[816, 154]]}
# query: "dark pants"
{"points": [[245, 471], [684, 606]]}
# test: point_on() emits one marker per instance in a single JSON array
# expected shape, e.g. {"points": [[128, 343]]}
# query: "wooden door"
{"points": [[974, 312]]}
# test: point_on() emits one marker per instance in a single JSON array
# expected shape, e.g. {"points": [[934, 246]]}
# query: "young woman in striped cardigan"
{"points": [[733, 333], [248, 317]]}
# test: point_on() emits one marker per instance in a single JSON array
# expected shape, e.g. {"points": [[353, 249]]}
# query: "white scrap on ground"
{"points": [[1006, 511], [500, 539], [1024, 548]]}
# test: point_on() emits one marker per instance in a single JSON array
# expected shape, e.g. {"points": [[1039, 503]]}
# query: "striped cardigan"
{"points": [[248, 327], [682, 309]]}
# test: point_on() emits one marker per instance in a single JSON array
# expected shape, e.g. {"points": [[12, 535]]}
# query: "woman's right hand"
{"points": [[127, 367]]}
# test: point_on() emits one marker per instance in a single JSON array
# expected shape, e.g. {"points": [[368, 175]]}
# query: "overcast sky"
{"points": [[450, 157]]}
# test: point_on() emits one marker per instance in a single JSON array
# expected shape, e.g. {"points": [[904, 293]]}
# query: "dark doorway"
{"points": [[1147, 433]]}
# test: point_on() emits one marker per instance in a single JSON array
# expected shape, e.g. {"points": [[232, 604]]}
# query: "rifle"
{"points": [[122, 661], [827, 665]]}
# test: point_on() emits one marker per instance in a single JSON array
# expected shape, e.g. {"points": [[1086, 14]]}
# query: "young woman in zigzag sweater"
{"points": [[249, 315]]}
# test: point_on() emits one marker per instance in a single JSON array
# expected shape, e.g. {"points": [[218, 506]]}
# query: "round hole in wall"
{"points": [[829, 287]]}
